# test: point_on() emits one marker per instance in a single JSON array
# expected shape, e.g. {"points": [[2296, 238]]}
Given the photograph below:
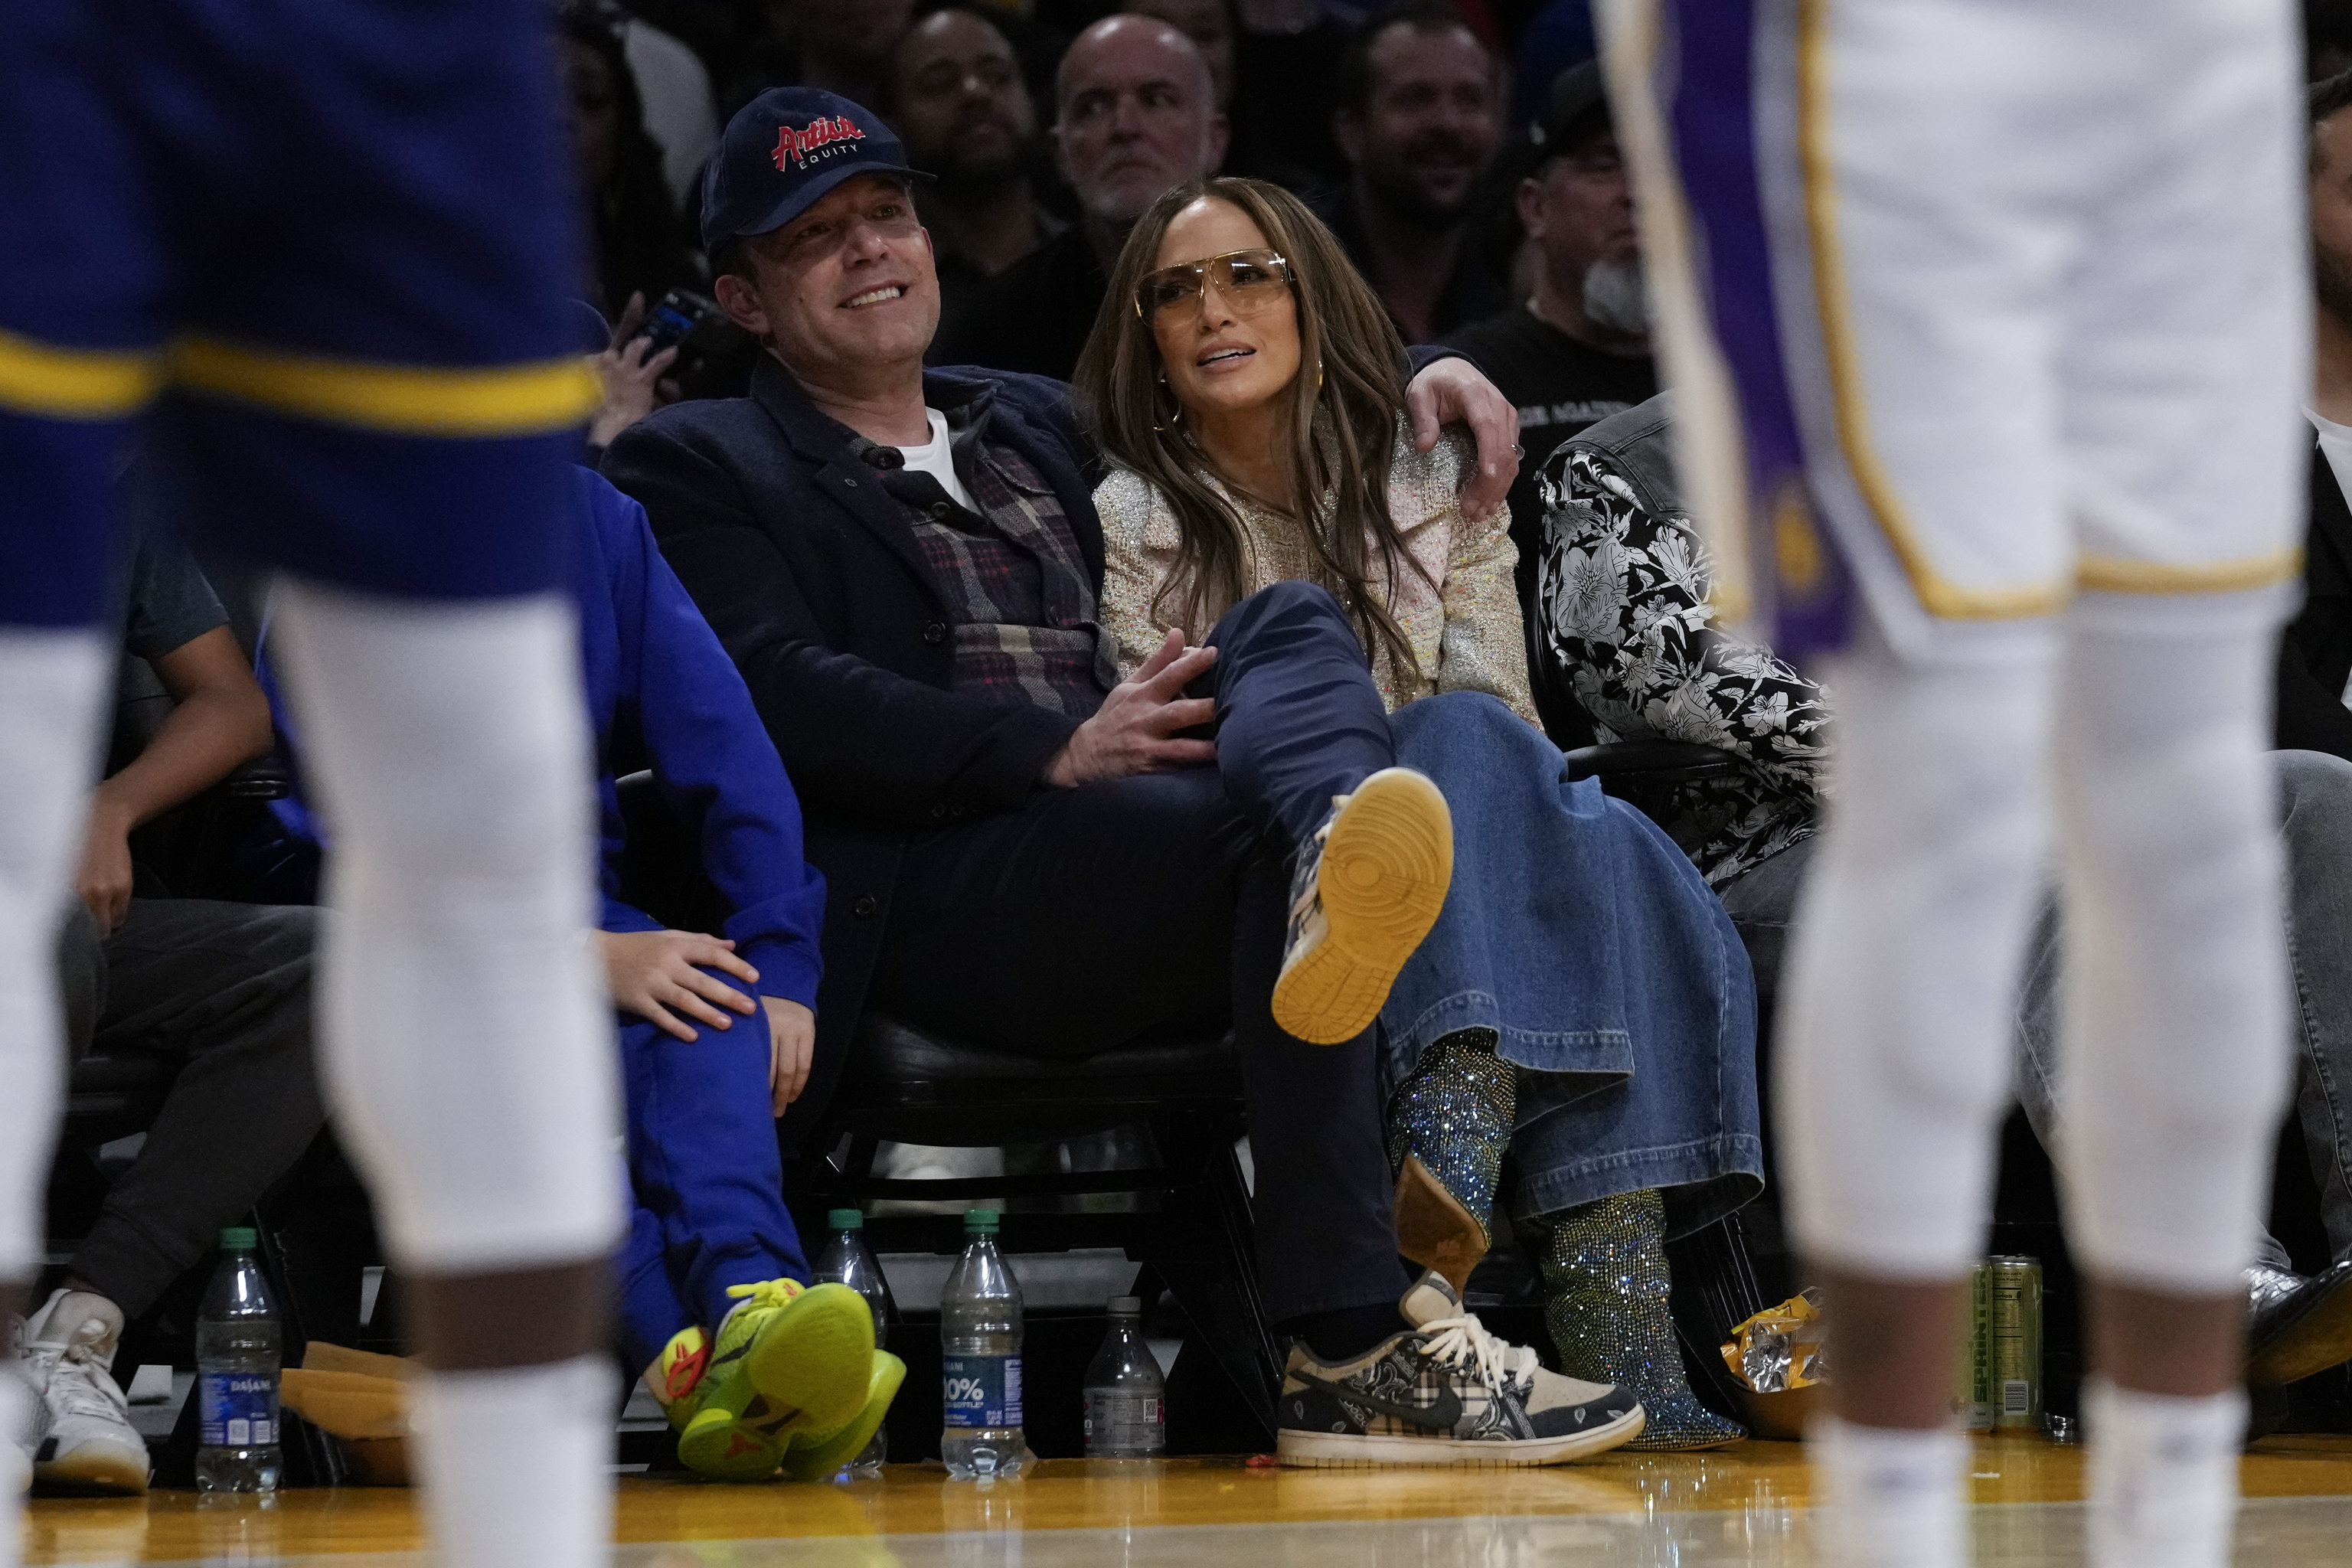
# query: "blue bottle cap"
{"points": [[238, 1238], [982, 1219], [846, 1219]]}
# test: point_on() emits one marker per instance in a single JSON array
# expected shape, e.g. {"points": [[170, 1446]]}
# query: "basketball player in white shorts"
{"points": [[1992, 314]]}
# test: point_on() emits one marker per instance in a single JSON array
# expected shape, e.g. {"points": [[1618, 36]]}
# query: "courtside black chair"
{"points": [[1189, 1226]]}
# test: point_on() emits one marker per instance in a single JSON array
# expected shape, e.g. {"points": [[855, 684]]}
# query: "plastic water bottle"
{"points": [[848, 1261], [980, 1360], [236, 1375], [1126, 1397]]}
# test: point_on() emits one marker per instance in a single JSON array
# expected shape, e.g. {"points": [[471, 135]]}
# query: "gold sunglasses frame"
{"points": [[1199, 272]]}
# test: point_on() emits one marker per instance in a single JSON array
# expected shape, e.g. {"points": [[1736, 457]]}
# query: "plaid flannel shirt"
{"points": [[1023, 611]]}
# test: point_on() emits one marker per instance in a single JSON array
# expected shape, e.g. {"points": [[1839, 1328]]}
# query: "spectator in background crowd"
{"points": [[958, 103], [1420, 119], [637, 244], [1578, 348], [837, 46], [1136, 115], [1272, 61]]}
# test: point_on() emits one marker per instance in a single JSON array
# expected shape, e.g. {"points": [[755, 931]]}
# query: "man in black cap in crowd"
{"points": [[1020, 850], [1576, 349]]}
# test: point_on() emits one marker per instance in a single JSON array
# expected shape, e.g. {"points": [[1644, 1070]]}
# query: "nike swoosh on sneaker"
{"points": [[1441, 1415]]}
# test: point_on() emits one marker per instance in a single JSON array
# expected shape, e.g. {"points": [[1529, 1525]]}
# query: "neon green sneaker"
{"points": [[817, 1456], [791, 1362]]}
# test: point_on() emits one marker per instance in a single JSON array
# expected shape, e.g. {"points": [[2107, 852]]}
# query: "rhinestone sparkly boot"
{"points": [[1447, 1128], [1605, 1289]]}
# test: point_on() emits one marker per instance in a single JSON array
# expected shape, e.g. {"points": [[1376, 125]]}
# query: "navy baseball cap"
{"points": [[782, 151]]}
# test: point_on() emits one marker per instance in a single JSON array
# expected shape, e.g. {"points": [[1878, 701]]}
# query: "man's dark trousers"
{"points": [[1096, 914], [226, 988]]}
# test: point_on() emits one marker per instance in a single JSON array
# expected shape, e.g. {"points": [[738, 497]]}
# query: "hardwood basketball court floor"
{"points": [[1743, 1505]]}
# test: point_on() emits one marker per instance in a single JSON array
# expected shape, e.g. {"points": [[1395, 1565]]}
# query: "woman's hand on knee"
{"points": [[658, 974]]}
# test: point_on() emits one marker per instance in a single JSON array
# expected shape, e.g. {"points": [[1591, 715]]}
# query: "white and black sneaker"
{"points": [[82, 1437], [1448, 1392]]}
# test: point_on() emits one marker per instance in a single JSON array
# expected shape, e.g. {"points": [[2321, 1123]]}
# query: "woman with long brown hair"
{"points": [[1581, 1000]]}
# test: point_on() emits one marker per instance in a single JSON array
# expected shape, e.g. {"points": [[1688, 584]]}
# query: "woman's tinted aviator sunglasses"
{"points": [[1248, 279]]}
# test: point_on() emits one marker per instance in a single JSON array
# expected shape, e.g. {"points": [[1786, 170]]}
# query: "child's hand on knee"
{"points": [[792, 1045], [653, 971]]}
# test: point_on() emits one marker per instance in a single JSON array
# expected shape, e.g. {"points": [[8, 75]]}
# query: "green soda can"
{"points": [[2012, 1307], [1972, 1400]]}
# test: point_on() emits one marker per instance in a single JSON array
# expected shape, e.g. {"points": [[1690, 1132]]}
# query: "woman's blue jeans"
{"points": [[1586, 941]]}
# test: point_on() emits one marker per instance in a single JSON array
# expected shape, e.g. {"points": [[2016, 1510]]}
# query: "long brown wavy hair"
{"points": [[1350, 389]]}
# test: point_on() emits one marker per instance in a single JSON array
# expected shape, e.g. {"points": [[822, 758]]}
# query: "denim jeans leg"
{"points": [[1577, 931]]}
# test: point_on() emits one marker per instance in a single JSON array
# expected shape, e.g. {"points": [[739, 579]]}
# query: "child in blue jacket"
{"points": [[759, 1370]]}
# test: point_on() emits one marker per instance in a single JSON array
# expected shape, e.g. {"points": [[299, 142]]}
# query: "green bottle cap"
{"points": [[983, 1220], [238, 1238], [846, 1219]]}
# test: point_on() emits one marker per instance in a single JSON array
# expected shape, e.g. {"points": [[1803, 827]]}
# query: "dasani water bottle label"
{"points": [[235, 1410]]}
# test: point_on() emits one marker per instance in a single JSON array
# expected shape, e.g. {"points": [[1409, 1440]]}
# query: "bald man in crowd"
{"points": [[1136, 115]]}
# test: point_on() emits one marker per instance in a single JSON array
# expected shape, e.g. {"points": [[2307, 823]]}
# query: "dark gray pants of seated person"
{"points": [[1095, 915], [2314, 793], [224, 989]]}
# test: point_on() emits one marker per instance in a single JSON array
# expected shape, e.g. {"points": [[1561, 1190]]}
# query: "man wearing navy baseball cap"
{"points": [[1019, 851]]}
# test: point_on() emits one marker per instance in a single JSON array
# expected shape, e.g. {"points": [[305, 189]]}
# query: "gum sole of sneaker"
{"points": [[2320, 1339], [1359, 1451], [1386, 867], [1433, 1228], [818, 1359], [114, 1475], [821, 1460]]}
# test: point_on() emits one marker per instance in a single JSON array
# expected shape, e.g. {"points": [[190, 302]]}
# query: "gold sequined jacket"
{"points": [[1464, 632]]}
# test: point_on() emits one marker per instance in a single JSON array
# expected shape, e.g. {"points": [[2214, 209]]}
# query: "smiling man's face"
{"points": [[844, 290]]}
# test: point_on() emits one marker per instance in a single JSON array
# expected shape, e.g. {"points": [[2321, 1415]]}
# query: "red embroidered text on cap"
{"points": [[818, 133]]}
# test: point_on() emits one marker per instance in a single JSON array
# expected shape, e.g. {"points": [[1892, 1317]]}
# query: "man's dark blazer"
{"points": [[816, 583], [2316, 654]]}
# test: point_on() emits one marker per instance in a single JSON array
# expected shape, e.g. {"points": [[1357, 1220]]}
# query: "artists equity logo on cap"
{"points": [[819, 132]]}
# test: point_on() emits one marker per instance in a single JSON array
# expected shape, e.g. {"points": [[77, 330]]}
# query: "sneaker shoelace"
{"points": [[1464, 1340], [78, 1383], [1305, 893], [765, 1293]]}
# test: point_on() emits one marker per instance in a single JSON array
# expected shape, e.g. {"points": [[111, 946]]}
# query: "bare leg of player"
{"points": [[51, 683], [469, 1052]]}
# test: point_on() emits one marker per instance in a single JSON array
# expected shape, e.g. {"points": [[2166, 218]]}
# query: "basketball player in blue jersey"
{"points": [[2008, 326], [316, 256]]}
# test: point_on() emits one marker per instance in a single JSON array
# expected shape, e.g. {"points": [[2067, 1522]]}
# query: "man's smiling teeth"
{"points": [[876, 295]]}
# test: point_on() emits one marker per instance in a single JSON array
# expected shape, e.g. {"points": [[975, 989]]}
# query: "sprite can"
{"points": [[2011, 1308]]}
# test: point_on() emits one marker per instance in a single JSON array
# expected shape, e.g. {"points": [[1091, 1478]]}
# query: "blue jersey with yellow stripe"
{"points": [[325, 249]]}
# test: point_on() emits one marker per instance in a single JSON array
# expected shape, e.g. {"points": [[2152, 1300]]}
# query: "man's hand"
{"points": [[104, 878], [1134, 731], [792, 1045], [631, 379], [652, 972], [1453, 389]]}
